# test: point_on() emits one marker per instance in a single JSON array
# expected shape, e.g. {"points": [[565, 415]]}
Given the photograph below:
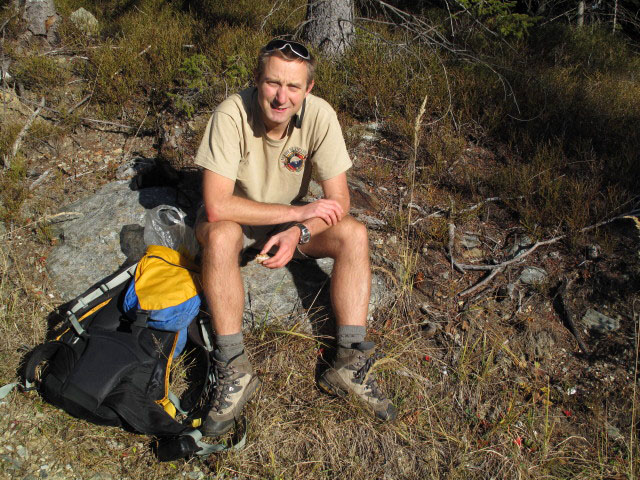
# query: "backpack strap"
{"points": [[84, 301]]}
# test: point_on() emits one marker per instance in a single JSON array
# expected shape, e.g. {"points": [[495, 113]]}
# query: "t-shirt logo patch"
{"points": [[293, 159]]}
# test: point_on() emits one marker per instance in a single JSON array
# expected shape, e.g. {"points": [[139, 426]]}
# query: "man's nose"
{"points": [[281, 96]]}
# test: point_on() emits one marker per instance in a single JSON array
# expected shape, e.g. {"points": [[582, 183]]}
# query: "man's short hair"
{"points": [[288, 55]]}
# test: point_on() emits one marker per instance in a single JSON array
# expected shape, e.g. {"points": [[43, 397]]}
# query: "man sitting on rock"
{"points": [[258, 152]]}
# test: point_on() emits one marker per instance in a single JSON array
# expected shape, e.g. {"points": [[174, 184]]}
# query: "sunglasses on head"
{"points": [[295, 47]]}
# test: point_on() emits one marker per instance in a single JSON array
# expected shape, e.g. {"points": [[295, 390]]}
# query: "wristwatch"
{"points": [[305, 234]]}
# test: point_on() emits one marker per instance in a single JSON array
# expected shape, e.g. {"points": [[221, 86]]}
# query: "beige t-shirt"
{"points": [[236, 146]]}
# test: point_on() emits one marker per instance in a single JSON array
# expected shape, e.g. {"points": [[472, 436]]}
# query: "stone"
{"points": [[371, 222], [41, 18], [543, 343], [470, 241], [599, 322], [134, 167], [22, 452], [593, 252], [105, 231], [85, 21], [473, 253], [506, 291], [614, 433], [97, 234], [520, 243], [532, 276]]}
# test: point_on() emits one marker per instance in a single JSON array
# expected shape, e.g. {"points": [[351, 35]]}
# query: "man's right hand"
{"points": [[328, 210]]}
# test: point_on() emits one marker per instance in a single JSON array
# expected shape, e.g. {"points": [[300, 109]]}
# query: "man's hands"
{"points": [[286, 242], [328, 210]]}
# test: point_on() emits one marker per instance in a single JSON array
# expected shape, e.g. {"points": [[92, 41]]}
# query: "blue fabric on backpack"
{"points": [[171, 319]]}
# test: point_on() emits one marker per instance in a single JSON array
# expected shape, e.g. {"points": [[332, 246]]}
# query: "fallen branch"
{"points": [[44, 218], [495, 269], [480, 284], [40, 179], [560, 299], [451, 229], [541, 243], [16, 145]]}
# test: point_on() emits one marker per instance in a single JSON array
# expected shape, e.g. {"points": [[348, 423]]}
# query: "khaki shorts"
{"points": [[255, 236]]}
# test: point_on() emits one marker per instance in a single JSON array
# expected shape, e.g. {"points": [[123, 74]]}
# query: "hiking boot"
{"points": [[235, 385], [350, 373]]}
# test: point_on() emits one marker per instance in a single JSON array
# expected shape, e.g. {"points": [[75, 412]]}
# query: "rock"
{"points": [[134, 167], [532, 276], [41, 18], [593, 252], [470, 241], [599, 322], [555, 255], [428, 329], [22, 452], [106, 232], [473, 253], [614, 433], [98, 234], [101, 476], [10, 463], [85, 21], [520, 243], [277, 296], [371, 222], [543, 343], [506, 291]]}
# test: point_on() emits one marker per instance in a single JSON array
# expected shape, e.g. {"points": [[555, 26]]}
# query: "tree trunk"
{"points": [[580, 13], [330, 25]]}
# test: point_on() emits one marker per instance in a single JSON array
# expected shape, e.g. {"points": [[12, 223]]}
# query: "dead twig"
{"points": [[564, 308], [16, 144], [40, 179], [451, 229], [480, 284]]}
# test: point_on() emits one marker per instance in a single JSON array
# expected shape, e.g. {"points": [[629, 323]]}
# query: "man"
{"points": [[258, 152]]}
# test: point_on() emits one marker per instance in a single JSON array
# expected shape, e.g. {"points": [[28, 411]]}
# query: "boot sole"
{"points": [[252, 388]]}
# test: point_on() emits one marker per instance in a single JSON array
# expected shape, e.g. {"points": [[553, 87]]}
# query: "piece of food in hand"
{"points": [[261, 257]]}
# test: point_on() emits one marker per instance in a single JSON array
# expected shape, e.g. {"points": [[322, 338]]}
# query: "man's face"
{"points": [[281, 91]]}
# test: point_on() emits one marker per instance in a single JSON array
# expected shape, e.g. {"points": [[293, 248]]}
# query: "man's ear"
{"points": [[309, 88]]}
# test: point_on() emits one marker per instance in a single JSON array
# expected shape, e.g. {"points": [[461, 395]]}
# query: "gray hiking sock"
{"points": [[347, 335], [230, 345]]}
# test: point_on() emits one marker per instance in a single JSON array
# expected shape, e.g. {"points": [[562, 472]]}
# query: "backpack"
{"points": [[112, 365]]}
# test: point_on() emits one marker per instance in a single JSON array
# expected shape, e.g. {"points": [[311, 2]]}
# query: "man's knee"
{"points": [[352, 233], [222, 237]]}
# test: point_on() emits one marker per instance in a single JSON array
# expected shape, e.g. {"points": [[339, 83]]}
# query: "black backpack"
{"points": [[110, 369]]}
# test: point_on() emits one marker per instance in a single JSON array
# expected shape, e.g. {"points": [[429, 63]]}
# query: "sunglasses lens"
{"points": [[297, 48]]}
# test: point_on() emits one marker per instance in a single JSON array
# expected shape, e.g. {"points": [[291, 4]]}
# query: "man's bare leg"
{"points": [[222, 282], [235, 380], [347, 243]]}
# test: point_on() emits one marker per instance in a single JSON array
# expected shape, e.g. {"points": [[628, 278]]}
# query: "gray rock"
{"points": [[599, 322], [10, 463], [532, 275], [22, 452], [101, 476], [105, 232], [135, 166], [470, 241], [543, 344], [506, 291], [614, 433], [371, 222], [279, 296], [41, 18], [520, 243], [593, 252], [85, 21], [99, 237]]}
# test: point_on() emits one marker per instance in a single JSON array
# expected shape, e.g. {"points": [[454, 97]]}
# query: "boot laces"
{"points": [[222, 386], [361, 375]]}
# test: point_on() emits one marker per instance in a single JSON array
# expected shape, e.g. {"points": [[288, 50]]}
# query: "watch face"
{"points": [[305, 235]]}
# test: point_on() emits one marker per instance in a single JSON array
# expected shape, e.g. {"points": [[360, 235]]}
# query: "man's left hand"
{"points": [[286, 242]]}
